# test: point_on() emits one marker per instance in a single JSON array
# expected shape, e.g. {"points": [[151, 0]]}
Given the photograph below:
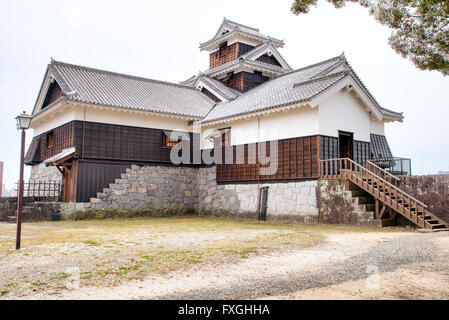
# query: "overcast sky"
{"points": [[160, 40]]}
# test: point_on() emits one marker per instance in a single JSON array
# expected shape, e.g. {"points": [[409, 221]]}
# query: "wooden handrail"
{"points": [[382, 190], [375, 176], [384, 172]]}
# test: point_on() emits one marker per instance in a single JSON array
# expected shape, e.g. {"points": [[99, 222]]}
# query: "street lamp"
{"points": [[23, 123]]}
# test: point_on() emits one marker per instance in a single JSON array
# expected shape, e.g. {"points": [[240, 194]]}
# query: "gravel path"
{"points": [[342, 258]]}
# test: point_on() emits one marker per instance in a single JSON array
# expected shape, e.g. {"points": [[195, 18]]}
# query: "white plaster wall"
{"points": [[377, 127], [125, 118], [70, 113], [280, 125], [56, 119], [343, 111]]}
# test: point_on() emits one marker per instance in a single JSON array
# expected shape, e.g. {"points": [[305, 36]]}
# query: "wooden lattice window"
{"points": [[169, 143]]}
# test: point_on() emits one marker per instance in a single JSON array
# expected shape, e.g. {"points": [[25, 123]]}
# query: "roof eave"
{"points": [[213, 43]]}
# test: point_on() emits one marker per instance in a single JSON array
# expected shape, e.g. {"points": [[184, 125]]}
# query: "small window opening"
{"points": [[169, 143], [50, 139]]}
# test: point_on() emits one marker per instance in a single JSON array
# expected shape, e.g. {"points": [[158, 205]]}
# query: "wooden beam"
{"points": [[60, 170], [381, 214]]}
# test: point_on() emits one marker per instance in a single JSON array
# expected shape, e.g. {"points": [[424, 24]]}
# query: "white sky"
{"points": [[159, 40]]}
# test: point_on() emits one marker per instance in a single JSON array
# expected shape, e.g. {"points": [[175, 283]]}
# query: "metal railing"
{"points": [[395, 165], [50, 190]]}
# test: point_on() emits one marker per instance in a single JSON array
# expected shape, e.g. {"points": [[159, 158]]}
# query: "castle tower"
{"points": [[240, 58]]}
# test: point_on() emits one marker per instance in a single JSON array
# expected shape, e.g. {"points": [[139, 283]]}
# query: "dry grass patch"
{"points": [[113, 251]]}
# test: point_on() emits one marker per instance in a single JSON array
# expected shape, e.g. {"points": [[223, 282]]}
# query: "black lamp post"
{"points": [[23, 123]]}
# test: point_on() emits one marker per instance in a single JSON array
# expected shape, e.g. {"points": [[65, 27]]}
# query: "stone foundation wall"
{"points": [[32, 210], [156, 186], [433, 190], [292, 201], [40, 172], [338, 206]]}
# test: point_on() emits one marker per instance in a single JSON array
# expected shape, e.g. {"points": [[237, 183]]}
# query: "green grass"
{"points": [[92, 243]]}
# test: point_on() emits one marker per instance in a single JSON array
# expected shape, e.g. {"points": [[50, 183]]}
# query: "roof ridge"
{"points": [[307, 67], [345, 72], [240, 24], [124, 75]]}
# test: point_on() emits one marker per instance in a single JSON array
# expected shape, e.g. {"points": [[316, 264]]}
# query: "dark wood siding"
{"points": [[210, 95], [252, 80], [228, 53], [115, 142], [379, 147], [54, 92], [244, 48], [361, 152], [39, 149], [244, 81], [94, 140], [328, 147], [93, 177], [223, 55], [297, 159]]}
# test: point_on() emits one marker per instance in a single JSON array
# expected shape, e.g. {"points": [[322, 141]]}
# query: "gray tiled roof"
{"points": [[106, 88], [293, 87], [237, 27], [391, 114]]}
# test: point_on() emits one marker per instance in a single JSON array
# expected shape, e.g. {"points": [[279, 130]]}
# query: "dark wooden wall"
{"points": [[54, 93], [63, 138], [244, 48], [220, 57], [94, 176], [379, 147], [210, 95], [94, 140], [244, 81], [361, 152], [297, 159], [329, 149], [228, 53], [269, 59]]}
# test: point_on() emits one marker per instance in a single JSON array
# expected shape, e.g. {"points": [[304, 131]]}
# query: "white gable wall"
{"points": [[377, 127], [298, 122], [343, 111]]}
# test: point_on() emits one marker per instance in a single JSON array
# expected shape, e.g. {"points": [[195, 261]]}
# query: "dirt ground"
{"points": [[215, 258]]}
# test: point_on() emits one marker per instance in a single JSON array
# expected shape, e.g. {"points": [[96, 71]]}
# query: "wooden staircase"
{"points": [[384, 188]]}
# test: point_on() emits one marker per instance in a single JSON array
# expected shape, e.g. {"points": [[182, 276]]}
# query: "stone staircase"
{"points": [[344, 203]]}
